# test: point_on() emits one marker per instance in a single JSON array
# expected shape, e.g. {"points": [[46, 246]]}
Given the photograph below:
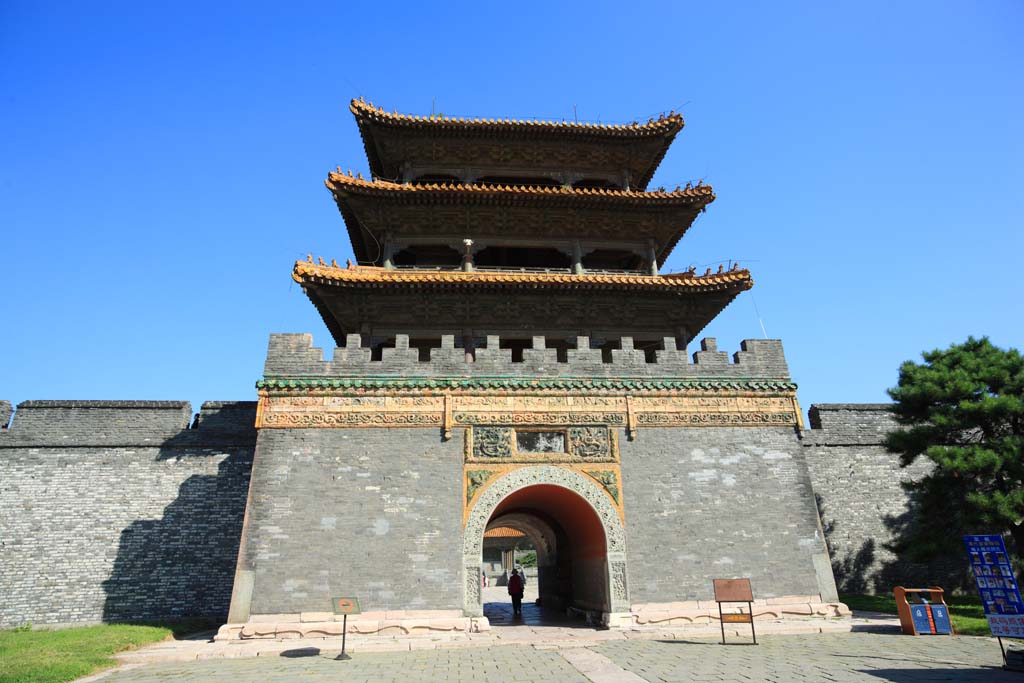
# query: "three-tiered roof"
{"points": [[484, 226]]}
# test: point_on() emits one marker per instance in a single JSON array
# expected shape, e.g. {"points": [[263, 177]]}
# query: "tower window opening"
{"points": [[427, 256], [561, 347], [606, 348], [530, 181], [423, 345], [517, 346], [612, 259], [437, 179], [650, 348], [522, 257], [377, 349], [596, 184]]}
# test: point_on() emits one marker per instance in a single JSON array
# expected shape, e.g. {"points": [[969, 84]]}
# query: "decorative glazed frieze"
{"points": [[502, 409], [387, 386]]}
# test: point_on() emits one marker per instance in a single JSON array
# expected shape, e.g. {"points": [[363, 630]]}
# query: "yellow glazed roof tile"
{"points": [[339, 182], [307, 271], [670, 123]]}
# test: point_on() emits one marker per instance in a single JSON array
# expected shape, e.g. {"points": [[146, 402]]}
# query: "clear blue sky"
{"points": [[162, 166]]}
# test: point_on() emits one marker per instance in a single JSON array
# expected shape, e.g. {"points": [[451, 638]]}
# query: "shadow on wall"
{"points": [[878, 565], [183, 564]]}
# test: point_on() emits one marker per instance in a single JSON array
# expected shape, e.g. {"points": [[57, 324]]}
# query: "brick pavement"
{"points": [[837, 657]]}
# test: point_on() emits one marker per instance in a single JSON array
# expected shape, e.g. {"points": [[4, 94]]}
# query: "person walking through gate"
{"points": [[515, 589]]}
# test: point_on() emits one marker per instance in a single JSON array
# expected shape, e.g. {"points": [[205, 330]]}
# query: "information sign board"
{"points": [[1000, 595]]}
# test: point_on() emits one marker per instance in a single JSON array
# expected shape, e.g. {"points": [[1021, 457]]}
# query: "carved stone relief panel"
{"points": [[589, 442], [581, 443], [492, 442]]}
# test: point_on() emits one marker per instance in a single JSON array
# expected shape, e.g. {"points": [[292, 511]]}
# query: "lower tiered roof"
{"points": [[355, 298]]}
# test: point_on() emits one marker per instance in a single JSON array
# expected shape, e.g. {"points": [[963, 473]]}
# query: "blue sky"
{"points": [[162, 167]]}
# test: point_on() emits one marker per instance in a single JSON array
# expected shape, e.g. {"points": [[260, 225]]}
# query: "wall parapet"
{"points": [[85, 424], [293, 355], [849, 424]]}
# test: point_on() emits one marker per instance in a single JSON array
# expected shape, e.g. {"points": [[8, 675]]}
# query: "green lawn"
{"points": [[55, 656], [967, 613]]}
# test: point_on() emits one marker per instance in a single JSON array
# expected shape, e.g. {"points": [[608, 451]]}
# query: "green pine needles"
{"points": [[962, 409]]}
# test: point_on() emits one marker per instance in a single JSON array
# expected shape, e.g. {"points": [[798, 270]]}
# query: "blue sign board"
{"points": [[990, 564]]}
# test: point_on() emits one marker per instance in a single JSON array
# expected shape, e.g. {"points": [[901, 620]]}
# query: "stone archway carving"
{"points": [[582, 485]]}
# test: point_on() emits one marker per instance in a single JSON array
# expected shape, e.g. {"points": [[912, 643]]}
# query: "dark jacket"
{"points": [[515, 585]]}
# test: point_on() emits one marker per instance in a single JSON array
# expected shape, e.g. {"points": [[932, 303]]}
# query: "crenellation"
{"points": [[294, 355], [5, 414], [709, 356], [764, 354]]}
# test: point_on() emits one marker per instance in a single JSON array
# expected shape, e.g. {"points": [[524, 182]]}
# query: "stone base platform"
{"points": [[705, 612], [327, 625], [696, 615]]}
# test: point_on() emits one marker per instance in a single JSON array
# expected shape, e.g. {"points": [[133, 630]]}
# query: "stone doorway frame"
{"points": [[571, 480]]}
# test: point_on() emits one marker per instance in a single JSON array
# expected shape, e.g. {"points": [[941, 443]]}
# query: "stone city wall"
{"points": [[718, 503], [860, 497], [375, 513], [119, 511]]}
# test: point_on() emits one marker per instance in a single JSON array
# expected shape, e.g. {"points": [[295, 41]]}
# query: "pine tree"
{"points": [[963, 409]]}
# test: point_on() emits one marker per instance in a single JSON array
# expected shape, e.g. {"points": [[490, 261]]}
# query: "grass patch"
{"points": [[56, 656], [967, 614]]}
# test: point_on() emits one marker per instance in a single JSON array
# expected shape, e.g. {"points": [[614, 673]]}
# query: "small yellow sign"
{"points": [[735, 618], [345, 605]]}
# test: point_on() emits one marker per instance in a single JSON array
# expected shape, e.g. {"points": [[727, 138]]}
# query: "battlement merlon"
{"points": [[294, 356]]}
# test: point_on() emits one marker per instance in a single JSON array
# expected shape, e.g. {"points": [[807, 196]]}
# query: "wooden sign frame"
{"points": [[734, 590]]}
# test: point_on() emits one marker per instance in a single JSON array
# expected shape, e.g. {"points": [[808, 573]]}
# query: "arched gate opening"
{"points": [[577, 535]]}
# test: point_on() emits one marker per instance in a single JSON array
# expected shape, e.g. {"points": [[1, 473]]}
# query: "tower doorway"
{"points": [[577, 544]]}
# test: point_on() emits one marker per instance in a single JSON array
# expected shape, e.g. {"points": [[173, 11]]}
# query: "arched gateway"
{"points": [[531, 498]]}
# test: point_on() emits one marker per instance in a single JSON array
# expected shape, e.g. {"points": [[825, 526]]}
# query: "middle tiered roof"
{"points": [[374, 209]]}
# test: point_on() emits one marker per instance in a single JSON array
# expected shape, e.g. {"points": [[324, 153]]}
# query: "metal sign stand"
{"points": [[344, 607], [344, 632]]}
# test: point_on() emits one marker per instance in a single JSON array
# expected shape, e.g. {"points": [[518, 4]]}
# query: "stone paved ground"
{"points": [[825, 657], [838, 657]]}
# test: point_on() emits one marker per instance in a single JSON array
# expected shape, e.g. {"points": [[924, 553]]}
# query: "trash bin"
{"points": [[922, 611]]}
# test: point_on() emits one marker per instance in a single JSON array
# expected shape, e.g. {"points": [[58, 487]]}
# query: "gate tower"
{"points": [[509, 355]]}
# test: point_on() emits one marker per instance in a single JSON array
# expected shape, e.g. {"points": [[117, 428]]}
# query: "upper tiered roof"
{"points": [[402, 147]]}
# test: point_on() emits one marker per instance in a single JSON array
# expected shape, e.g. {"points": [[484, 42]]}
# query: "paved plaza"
{"points": [[838, 657]]}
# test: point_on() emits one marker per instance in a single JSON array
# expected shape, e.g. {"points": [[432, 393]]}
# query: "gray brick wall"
{"points": [[860, 497], [718, 503], [374, 513], [113, 511], [293, 355]]}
